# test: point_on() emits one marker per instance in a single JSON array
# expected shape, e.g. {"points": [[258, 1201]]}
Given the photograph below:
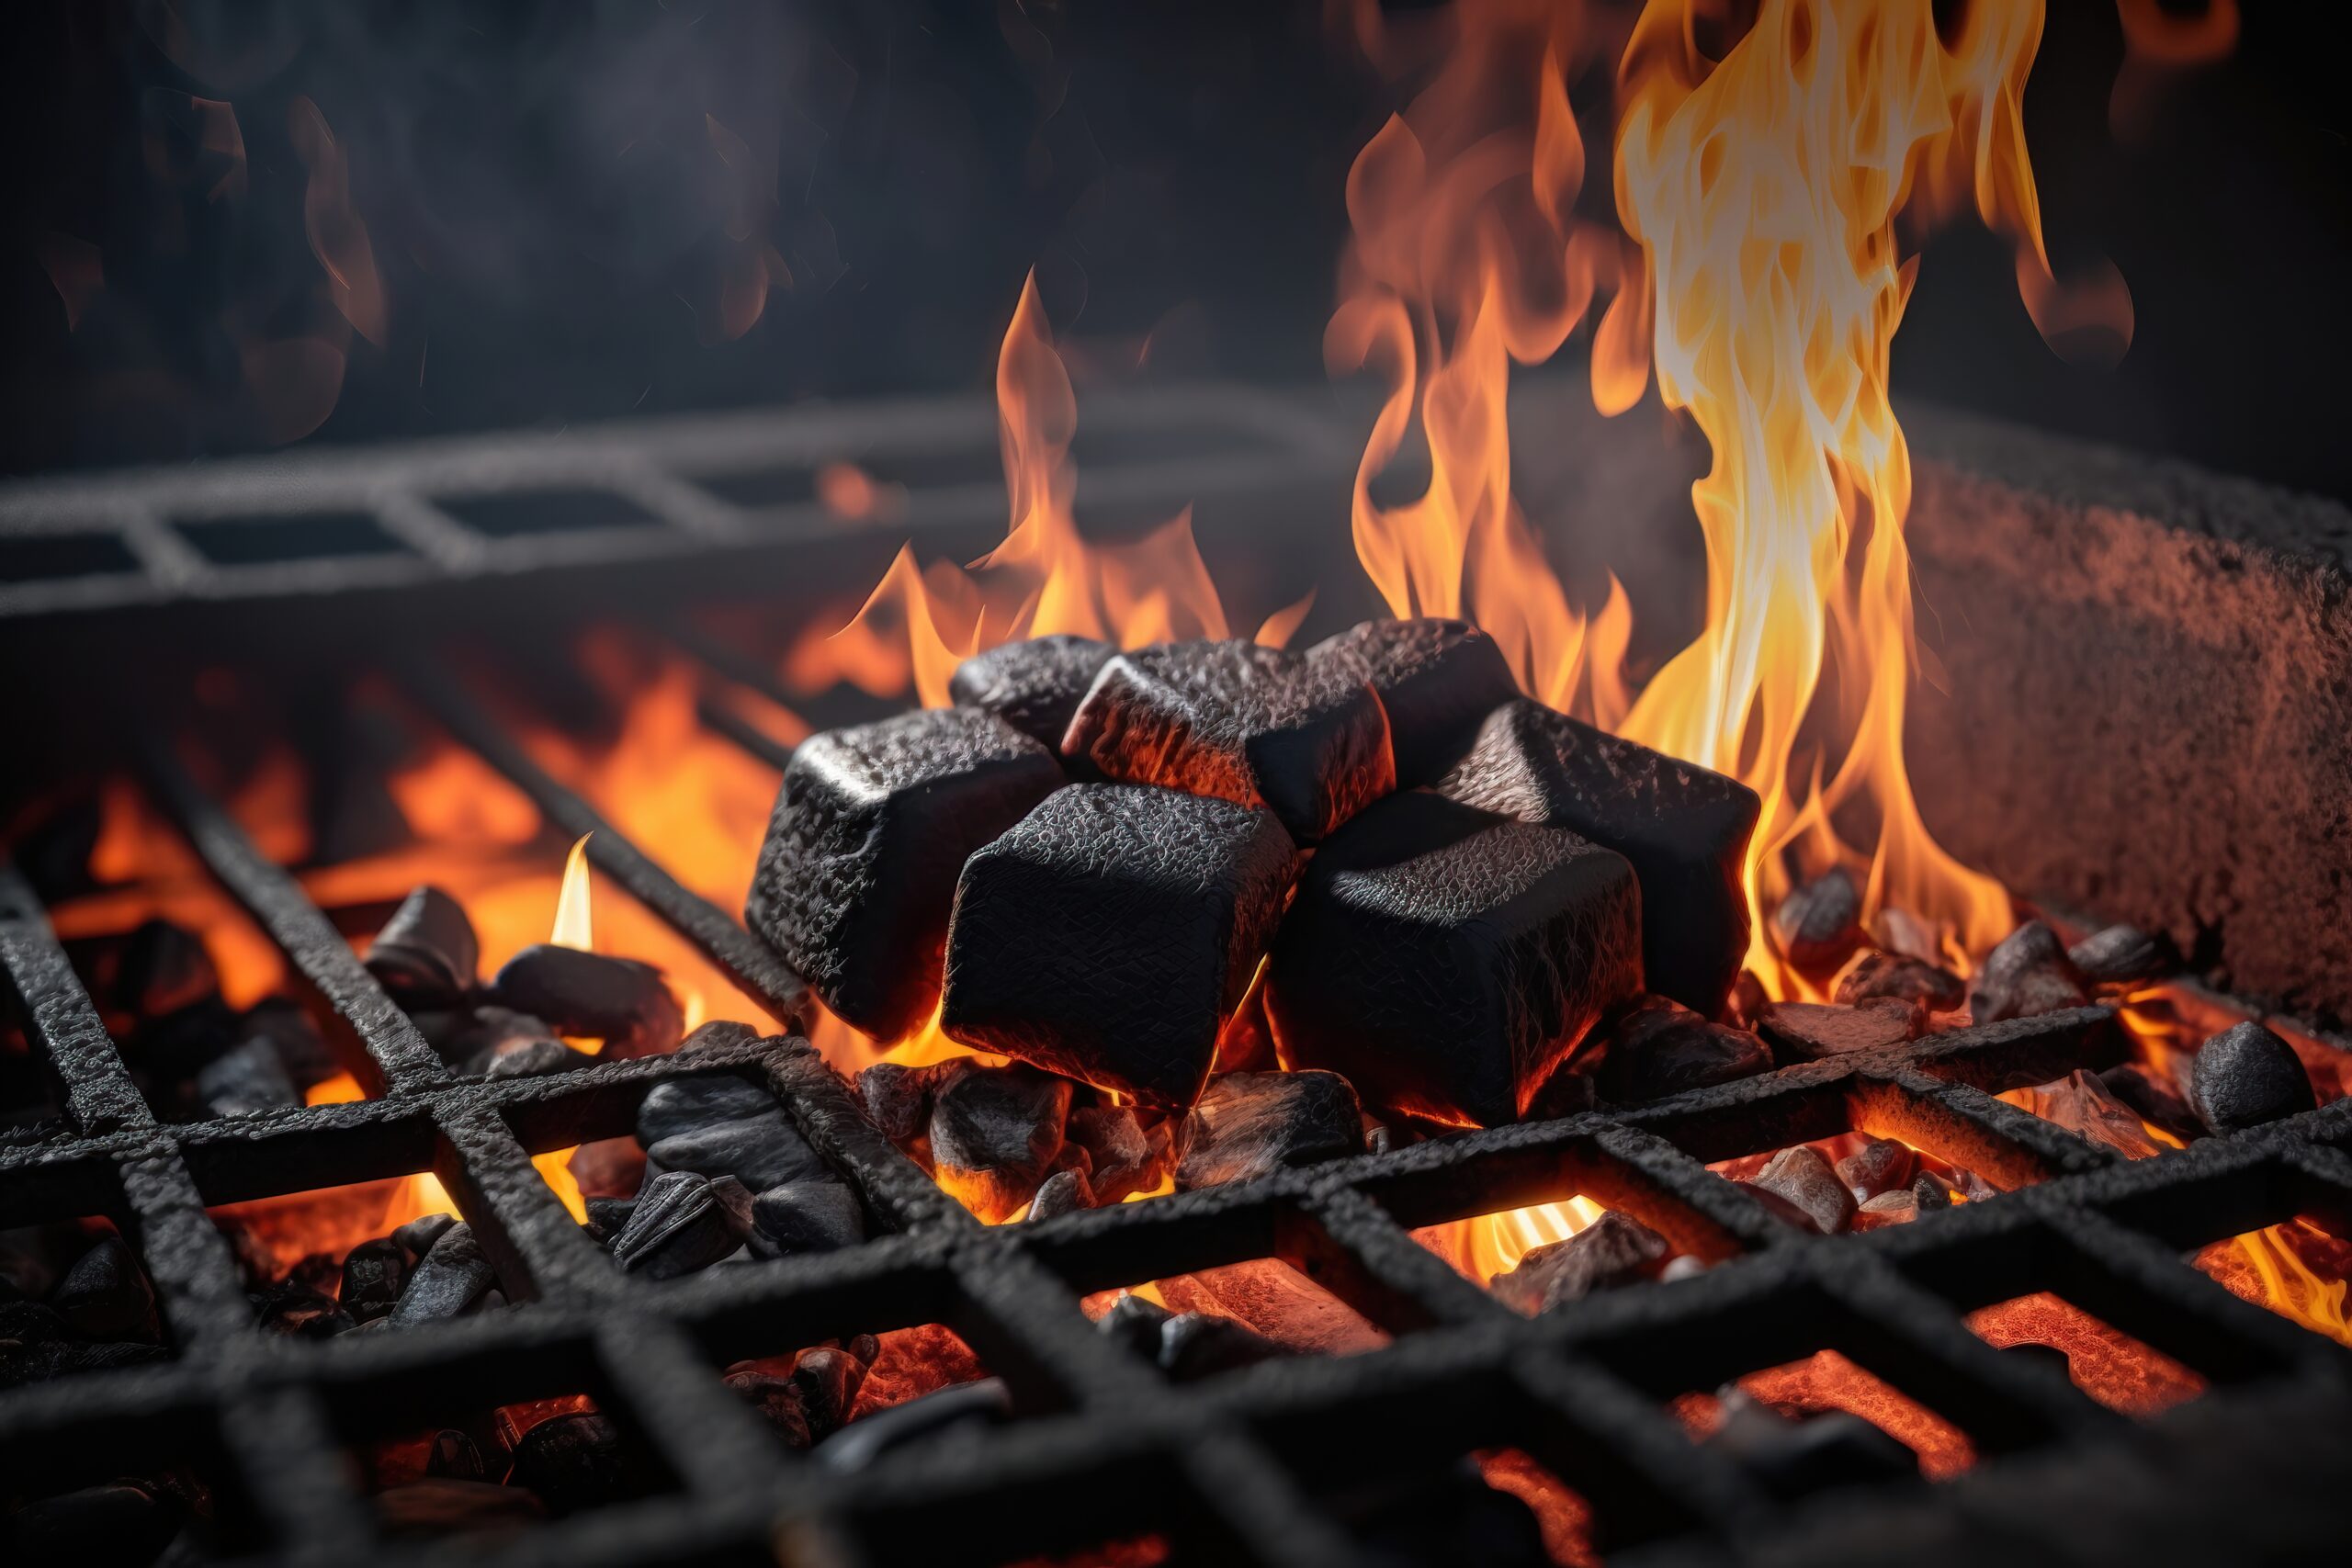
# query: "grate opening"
{"points": [[264, 540], [830, 1398], [2293, 1268], [81, 1301], [51, 557], [512, 514], [1821, 1423], [2127, 1375], [1209, 1322]]}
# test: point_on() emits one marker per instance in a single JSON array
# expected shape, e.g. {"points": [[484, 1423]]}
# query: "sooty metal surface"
{"points": [[1234, 1470]]}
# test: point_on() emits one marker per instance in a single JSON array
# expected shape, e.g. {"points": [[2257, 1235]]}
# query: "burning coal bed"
{"points": [[1159, 920]]}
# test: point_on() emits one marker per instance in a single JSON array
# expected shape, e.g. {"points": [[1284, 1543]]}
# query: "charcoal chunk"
{"points": [[1807, 1031], [994, 1133], [1800, 1178], [805, 1216], [1252, 1124], [455, 1456], [1124, 1158], [2082, 1103], [1819, 924], [689, 1105], [535, 1058], [373, 1273], [579, 1461], [1615, 1250], [1196, 1345], [1879, 1166], [680, 1222], [1684, 830], [2244, 1076], [1903, 977], [161, 968], [427, 955], [2153, 1098], [246, 1081], [290, 1031], [1436, 679], [870, 831], [296, 1309], [1035, 685], [1254, 726], [1063, 1193], [1135, 1322], [417, 1237], [1899, 1207], [1931, 1192], [760, 1152], [1795, 1459], [618, 1000], [2028, 975], [779, 1401], [1111, 933], [1659, 1047], [469, 1040], [448, 1279], [898, 1099], [106, 1295], [979, 1406], [1445, 960], [827, 1380], [2121, 955]]}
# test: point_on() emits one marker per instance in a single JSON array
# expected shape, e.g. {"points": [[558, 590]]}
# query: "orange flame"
{"points": [[575, 924]]}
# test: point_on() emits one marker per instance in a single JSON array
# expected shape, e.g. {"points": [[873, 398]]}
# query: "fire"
{"points": [[574, 926]]}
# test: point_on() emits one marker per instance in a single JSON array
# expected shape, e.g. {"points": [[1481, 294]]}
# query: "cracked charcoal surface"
{"points": [[1819, 924], [2027, 974], [869, 833], [1807, 1031], [1436, 679], [1252, 724], [1252, 1124], [1445, 960], [1109, 934], [1805, 1180], [1661, 1047], [994, 1133], [1615, 1250], [1897, 975], [1684, 830], [1033, 686]]}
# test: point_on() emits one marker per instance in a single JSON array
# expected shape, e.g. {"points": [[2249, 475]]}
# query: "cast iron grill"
{"points": [[1235, 1470]]}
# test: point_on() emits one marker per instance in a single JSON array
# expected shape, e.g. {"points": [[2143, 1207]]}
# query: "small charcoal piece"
{"points": [[898, 1099], [441, 1508], [290, 1031], [1795, 1459], [161, 969], [106, 1295], [1903, 977], [1033, 686], [618, 1000], [760, 1152], [1196, 1345], [1807, 1031], [2121, 955], [417, 1237], [1800, 1178], [2244, 1076], [373, 1273], [1879, 1166], [979, 1406], [1110, 933], [805, 1216], [1124, 1158], [2082, 1104], [1659, 1047], [427, 955], [1899, 1207], [1134, 1321], [2154, 1100], [1445, 960], [535, 1058], [579, 1461], [779, 1401], [2028, 975], [870, 831], [1252, 1124], [608, 1216], [296, 1309], [1254, 726], [994, 1133], [1615, 1250], [691, 1104], [246, 1081], [827, 1381], [1819, 925], [1684, 830], [1931, 1192], [682, 1223], [454, 1276], [469, 1040], [1063, 1193], [1437, 679], [454, 1457]]}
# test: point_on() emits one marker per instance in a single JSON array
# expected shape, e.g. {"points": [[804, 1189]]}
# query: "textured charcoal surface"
{"points": [[1109, 934], [1806, 1032], [994, 1133], [1896, 975], [1684, 829], [2027, 973], [1659, 1047], [1444, 959], [1615, 1250], [1252, 1124], [1033, 686], [1255, 726], [624, 1003], [1437, 680], [2244, 1076], [870, 831]]}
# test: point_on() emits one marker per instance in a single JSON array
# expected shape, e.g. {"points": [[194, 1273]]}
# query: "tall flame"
{"points": [[574, 925]]}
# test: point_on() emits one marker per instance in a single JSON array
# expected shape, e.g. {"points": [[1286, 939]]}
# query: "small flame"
{"points": [[573, 925]]}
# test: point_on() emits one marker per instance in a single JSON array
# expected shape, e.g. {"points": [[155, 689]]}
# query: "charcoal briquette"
{"points": [[294, 1034], [417, 1237], [680, 1222], [1445, 960], [1033, 686], [1134, 1321], [691, 1104], [2122, 955], [1930, 1191], [1899, 975], [1063, 1193], [1436, 679], [246, 1081], [454, 1457], [535, 1058], [1659, 1047], [1819, 924], [994, 1134], [106, 1295], [373, 1273], [1196, 1345], [1881, 1165], [805, 1216], [2027, 974], [471, 1040], [760, 1152], [2244, 1076], [159, 969], [979, 1406], [1899, 1207], [1806, 1181], [827, 1381], [870, 830], [305, 1313], [2153, 1098], [1795, 1459], [452, 1276], [1109, 934], [579, 1461], [1615, 1250], [1683, 829], [777, 1399], [1123, 1156], [1808, 1032], [426, 955], [1255, 726], [624, 1003], [1249, 1126]]}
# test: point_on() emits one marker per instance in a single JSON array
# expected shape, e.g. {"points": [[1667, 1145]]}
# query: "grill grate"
{"points": [[1231, 1468]]}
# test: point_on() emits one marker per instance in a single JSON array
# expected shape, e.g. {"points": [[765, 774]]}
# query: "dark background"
{"points": [[572, 207]]}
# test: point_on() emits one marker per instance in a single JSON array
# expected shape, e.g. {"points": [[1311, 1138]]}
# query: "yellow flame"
{"points": [[573, 926], [1496, 1243], [2292, 1289]]}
